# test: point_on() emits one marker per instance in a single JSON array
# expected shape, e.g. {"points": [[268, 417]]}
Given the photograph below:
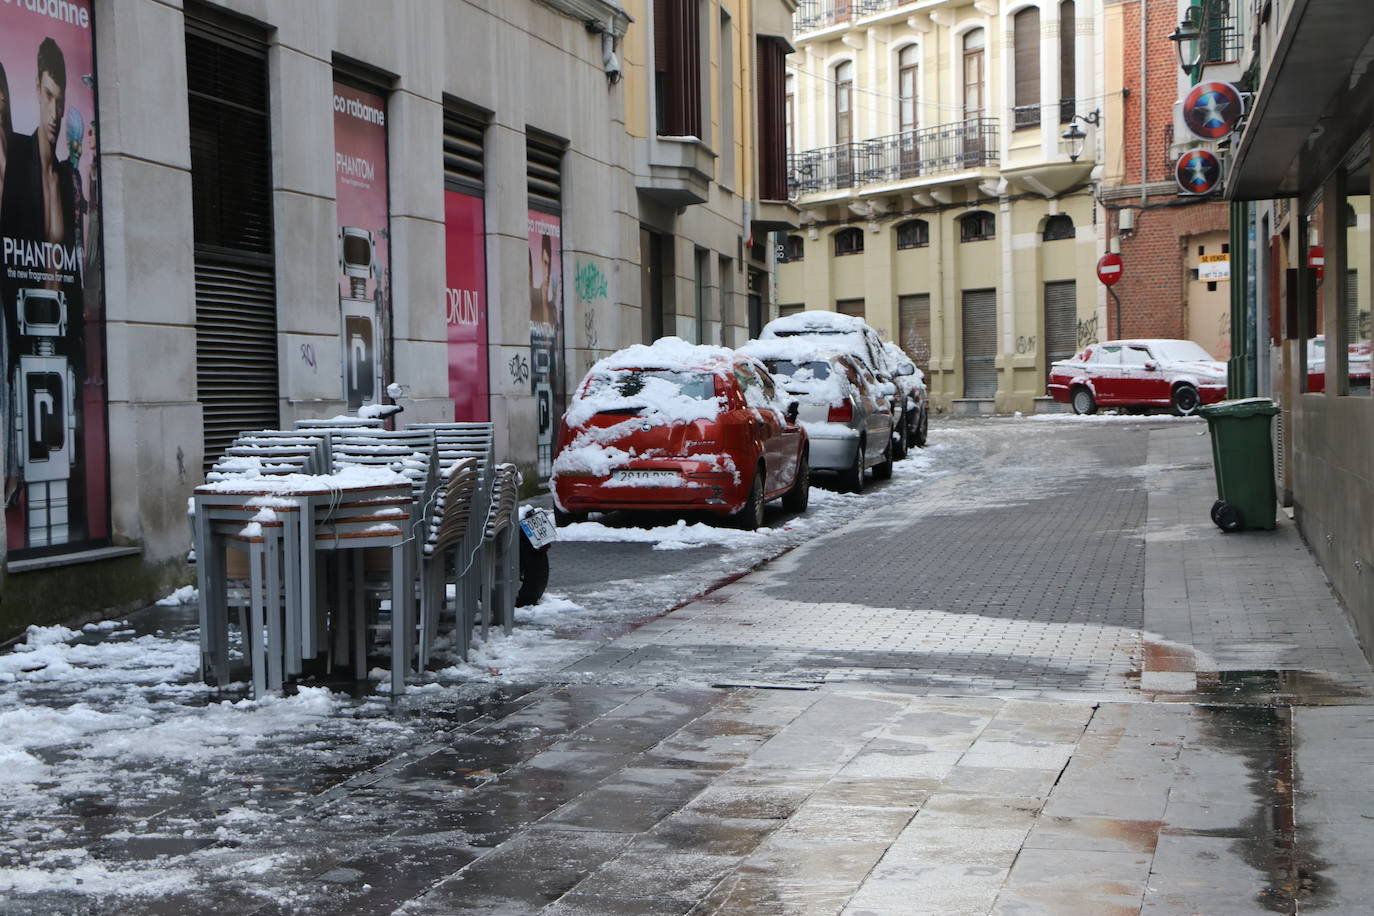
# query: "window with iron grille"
{"points": [[1026, 41], [849, 241], [914, 233], [793, 248], [977, 226], [1058, 227]]}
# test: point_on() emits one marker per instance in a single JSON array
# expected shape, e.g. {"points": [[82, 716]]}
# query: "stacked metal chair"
{"points": [[501, 551], [453, 538]]}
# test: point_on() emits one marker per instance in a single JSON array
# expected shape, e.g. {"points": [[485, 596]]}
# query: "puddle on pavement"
{"points": [[1267, 840]]}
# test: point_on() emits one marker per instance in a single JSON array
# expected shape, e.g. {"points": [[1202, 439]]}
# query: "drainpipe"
{"points": [[1144, 105]]}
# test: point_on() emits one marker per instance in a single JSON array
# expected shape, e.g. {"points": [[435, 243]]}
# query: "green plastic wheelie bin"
{"points": [[1243, 455]]}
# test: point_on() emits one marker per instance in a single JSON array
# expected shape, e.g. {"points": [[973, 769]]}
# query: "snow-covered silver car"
{"points": [[853, 336], [911, 382], [847, 421]]}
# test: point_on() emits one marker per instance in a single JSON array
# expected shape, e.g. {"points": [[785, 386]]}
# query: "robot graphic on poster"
{"points": [[361, 318], [44, 387]]}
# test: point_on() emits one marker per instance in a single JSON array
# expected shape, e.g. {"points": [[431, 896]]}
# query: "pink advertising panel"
{"points": [[466, 305], [52, 378], [360, 182]]}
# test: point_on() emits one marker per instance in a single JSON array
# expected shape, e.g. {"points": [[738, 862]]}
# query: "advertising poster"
{"points": [[52, 387], [466, 305], [546, 331], [360, 182]]}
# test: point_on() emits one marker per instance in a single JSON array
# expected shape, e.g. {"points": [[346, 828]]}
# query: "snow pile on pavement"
{"points": [[665, 537]]}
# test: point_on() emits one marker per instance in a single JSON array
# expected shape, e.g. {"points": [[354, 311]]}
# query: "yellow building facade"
{"points": [[943, 156]]}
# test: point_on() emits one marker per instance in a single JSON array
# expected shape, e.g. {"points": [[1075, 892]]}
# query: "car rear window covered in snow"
{"points": [[630, 383], [803, 372]]}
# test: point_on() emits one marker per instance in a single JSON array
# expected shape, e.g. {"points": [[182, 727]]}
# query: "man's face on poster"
{"points": [[52, 103]]}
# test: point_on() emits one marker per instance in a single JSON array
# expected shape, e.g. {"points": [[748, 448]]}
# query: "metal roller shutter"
{"points": [[852, 307], [1061, 321], [913, 323], [980, 343], [235, 284]]}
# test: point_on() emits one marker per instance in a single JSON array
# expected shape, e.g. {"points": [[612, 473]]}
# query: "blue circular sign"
{"points": [[1212, 109], [1197, 172]]}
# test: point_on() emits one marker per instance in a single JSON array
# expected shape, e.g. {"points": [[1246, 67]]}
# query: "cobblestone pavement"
{"points": [[1043, 684]]}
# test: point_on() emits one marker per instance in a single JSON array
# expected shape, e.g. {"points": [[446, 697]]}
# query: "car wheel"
{"points": [[564, 519], [750, 517], [1186, 400], [923, 428], [796, 499], [534, 574], [1229, 518], [852, 478], [883, 469], [1083, 401]]}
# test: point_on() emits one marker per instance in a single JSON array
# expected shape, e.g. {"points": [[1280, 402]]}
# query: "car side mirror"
{"points": [[1152, 366], [907, 369], [793, 408]]}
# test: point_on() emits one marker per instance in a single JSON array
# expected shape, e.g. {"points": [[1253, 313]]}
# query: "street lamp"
{"points": [[1075, 136], [1189, 32]]}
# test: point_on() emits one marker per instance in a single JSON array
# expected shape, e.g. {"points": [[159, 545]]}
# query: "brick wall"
{"points": [[1153, 287]]}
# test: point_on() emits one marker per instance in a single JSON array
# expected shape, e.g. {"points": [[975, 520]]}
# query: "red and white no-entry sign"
{"points": [[1109, 268]]}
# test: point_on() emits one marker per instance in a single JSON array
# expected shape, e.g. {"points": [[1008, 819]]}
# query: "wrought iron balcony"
{"points": [[896, 157], [1223, 41], [819, 14]]}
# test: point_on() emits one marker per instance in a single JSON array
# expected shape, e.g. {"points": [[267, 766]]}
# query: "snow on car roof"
{"points": [[814, 321], [794, 349], [672, 353]]}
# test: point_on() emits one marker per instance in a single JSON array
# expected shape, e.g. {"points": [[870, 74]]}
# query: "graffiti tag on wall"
{"points": [[1087, 332]]}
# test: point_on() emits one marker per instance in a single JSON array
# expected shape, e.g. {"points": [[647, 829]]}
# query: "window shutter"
{"points": [[851, 307], [677, 57], [1026, 43], [772, 119], [464, 153], [1068, 65], [544, 171], [231, 208]]}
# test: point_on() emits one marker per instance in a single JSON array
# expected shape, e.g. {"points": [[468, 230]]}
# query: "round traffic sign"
{"points": [[1197, 172], [1109, 268], [1211, 109]]}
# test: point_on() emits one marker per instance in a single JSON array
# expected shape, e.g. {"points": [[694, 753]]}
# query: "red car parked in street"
{"points": [[1177, 374], [674, 426]]}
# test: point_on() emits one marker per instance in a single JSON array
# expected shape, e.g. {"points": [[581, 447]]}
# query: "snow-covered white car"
{"points": [[911, 381], [1139, 373], [849, 428], [1357, 365], [847, 334]]}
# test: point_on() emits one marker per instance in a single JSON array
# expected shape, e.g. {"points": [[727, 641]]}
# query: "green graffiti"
{"points": [[591, 282]]}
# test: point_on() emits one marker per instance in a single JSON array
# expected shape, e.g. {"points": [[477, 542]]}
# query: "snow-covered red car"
{"points": [[1177, 374], [679, 427], [1357, 364]]}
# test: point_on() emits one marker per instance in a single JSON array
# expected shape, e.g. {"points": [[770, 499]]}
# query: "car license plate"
{"points": [[666, 477], [539, 527]]}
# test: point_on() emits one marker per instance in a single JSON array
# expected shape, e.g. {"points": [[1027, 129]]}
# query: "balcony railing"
{"points": [[1224, 41], [819, 14], [897, 157]]}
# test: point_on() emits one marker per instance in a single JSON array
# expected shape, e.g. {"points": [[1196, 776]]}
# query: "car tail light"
{"points": [[842, 414]]}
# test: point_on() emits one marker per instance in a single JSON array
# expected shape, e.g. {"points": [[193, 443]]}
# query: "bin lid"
{"points": [[1241, 407]]}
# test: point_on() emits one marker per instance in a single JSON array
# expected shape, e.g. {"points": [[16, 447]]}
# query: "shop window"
{"points": [[914, 233], [1058, 228], [977, 226], [849, 241]]}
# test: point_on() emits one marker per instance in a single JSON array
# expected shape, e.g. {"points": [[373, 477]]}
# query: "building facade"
{"points": [[221, 216], [945, 158], [1164, 233], [1298, 180]]}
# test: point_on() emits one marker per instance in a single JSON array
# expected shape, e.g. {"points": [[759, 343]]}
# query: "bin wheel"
{"points": [[1216, 508], [1229, 518]]}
